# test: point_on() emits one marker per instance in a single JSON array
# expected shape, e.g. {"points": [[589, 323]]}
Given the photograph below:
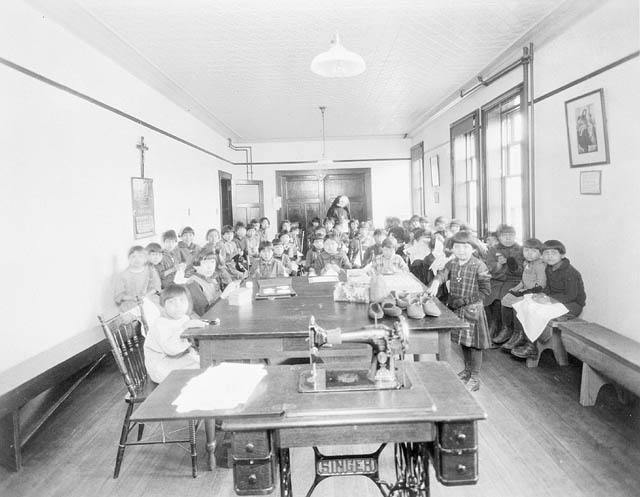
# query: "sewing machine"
{"points": [[387, 345]]}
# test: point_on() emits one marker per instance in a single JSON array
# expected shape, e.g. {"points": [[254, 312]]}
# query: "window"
{"points": [[505, 164], [465, 178], [417, 173]]}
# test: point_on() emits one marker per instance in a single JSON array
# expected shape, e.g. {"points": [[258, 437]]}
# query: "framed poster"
{"points": [[587, 130], [591, 182], [144, 224], [435, 170]]}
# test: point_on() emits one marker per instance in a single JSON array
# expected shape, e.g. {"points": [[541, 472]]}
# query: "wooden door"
{"points": [[308, 194], [248, 200]]}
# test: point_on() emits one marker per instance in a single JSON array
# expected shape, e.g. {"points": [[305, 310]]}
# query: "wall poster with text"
{"points": [[142, 203]]}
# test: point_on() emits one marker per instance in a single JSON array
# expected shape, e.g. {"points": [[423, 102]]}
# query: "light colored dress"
{"points": [[165, 351]]}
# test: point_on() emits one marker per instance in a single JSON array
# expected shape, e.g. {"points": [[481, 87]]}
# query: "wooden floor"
{"points": [[538, 441]]}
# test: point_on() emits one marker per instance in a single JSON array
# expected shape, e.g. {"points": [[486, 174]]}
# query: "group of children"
{"points": [[483, 279]]}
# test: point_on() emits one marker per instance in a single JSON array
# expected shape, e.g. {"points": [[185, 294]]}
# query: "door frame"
{"points": [[224, 175], [320, 174]]}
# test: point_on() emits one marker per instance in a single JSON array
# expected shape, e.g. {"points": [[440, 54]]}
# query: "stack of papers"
{"points": [[225, 386]]}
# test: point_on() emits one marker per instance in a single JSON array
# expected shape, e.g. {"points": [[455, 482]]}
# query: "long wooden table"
{"points": [[433, 420], [276, 330]]}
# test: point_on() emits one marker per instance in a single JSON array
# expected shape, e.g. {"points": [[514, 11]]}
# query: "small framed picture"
{"points": [[591, 182], [587, 130], [435, 170]]}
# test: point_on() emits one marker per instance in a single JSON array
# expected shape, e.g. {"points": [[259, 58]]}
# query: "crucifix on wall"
{"points": [[143, 148]]}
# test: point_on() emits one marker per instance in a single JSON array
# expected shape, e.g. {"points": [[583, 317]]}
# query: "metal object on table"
{"points": [[388, 344]]}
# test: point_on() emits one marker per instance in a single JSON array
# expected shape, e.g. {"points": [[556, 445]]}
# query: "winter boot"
{"points": [[516, 340], [504, 335], [525, 351]]}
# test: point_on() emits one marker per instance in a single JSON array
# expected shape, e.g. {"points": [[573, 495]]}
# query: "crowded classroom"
{"points": [[320, 248]]}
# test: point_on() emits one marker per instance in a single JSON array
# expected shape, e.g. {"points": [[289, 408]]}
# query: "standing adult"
{"points": [[339, 210]]}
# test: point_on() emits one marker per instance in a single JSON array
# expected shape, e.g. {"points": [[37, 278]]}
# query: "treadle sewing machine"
{"points": [[388, 345], [421, 408]]}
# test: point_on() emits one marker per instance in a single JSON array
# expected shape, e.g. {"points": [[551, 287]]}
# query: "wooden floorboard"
{"points": [[538, 441]]}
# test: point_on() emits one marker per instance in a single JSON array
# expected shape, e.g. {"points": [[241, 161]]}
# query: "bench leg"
{"points": [[590, 385], [559, 352], [10, 443]]}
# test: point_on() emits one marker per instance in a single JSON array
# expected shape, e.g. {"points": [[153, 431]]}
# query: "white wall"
{"points": [[65, 191], [600, 231], [390, 180]]}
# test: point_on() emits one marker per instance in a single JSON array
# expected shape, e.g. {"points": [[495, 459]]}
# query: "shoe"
{"points": [[391, 310], [516, 340], [402, 299], [503, 336], [464, 375], [375, 311], [528, 350], [430, 308], [473, 385], [415, 311]]}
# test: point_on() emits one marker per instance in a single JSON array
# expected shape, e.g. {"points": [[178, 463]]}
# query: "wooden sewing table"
{"points": [[435, 419]]}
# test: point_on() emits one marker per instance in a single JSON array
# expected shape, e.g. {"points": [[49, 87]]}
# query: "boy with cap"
{"points": [[505, 265], [564, 285]]}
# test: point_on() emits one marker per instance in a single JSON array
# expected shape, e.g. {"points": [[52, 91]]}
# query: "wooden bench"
{"points": [[28, 403], [554, 343], [607, 358]]}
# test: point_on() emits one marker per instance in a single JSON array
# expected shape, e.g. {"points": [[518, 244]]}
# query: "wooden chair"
{"points": [[125, 333]]}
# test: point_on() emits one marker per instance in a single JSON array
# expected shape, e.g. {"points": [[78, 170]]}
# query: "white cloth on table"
{"points": [[220, 387], [534, 316]]}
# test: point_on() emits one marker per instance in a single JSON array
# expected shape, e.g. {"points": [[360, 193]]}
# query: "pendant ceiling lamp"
{"points": [[323, 162], [338, 62]]}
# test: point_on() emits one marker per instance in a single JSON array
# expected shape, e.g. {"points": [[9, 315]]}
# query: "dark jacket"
{"points": [[504, 277], [564, 283]]}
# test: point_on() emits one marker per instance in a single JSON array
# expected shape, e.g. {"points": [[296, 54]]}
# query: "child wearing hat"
{"points": [[470, 281], [564, 285], [533, 280], [505, 262]]}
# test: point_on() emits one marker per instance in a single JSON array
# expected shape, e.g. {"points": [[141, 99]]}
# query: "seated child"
{"points": [[420, 256], [357, 247], [289, 249], [330, 259], [314, 252], [533, 280], [163, 263], [230, 254], [470, 282], [264, 233], [328, 224], [564, 285], [315, 223], [164, 349], [213, 241], [139, 280], [440, 229], [186, 243], [375, 249], [505, 265], [354, 225], [290, 267], [267, 266], [170, 244], [284, 226], [241, 238], [388, 262], [207, 283], [253, 244], [455, 225], [424, 223]]}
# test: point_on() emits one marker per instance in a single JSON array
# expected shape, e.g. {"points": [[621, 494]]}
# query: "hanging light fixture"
{"points": [[324, 162], [338, 62]]}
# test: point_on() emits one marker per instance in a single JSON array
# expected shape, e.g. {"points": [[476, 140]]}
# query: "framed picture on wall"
{"points": [[435, 170], [587, 130], [144, 224]]}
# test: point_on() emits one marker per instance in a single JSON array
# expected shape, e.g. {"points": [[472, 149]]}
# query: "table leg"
{"points": [[444, 346], [285, 473], [412, 470], [210, 430]]}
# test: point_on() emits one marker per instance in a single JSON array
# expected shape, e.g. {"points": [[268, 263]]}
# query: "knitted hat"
{"points": [[554, 245]]}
